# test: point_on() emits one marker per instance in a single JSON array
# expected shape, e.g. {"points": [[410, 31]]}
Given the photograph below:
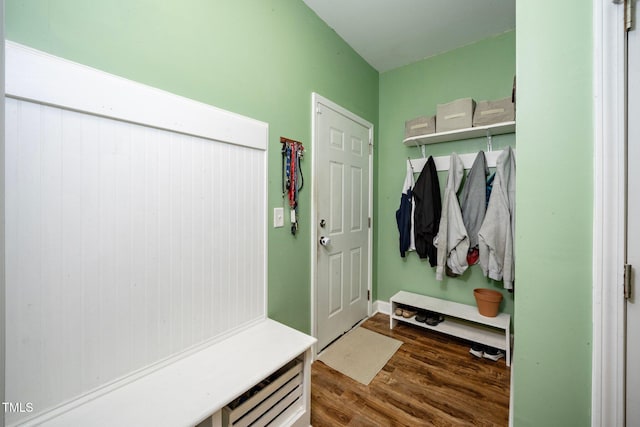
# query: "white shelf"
{"points": [[459, 328], [461, 320], [460, 134]]}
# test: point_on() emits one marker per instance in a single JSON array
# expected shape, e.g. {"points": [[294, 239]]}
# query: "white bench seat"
{"points": [[196, 388]]}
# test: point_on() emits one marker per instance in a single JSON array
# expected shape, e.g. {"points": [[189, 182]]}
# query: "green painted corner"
{"points": [[482, 71]]}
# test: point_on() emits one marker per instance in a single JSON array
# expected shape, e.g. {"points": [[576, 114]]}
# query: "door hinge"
{"points": [[369, 221], [368, 295], [628, 13], [627, 281]]}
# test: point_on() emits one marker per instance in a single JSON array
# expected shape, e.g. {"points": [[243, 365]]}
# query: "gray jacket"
{"points": [[473, 199], [496, 236], [452, 240]]}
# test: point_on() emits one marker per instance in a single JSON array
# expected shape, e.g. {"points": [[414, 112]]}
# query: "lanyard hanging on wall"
{"points": [[292, 178]]}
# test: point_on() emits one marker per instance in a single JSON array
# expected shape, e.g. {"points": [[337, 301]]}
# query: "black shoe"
{"points": [[477, 350], [433, 319], [421, 317], [493, 354]]}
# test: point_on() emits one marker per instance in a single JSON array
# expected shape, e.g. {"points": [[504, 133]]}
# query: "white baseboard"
{"points": [[383, 307]]}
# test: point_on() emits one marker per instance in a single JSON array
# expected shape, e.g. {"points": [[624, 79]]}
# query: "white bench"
{"points": [[196, 389], [461, 320]]}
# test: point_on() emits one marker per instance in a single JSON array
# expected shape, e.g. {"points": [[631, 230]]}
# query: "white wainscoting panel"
{"points": [[125, 245]]}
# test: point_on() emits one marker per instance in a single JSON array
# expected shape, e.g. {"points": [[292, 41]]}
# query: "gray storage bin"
{"points": [[455, 115], [491, 112], [420, 126]]}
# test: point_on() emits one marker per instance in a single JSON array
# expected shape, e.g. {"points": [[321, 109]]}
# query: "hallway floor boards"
{"points": [[432, 380]]}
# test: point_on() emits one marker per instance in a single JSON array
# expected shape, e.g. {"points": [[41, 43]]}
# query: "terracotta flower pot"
{"points": [[488, 301]]}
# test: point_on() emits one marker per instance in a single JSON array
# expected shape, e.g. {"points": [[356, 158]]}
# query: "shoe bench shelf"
{"points": [[461, 320], [260, 375]]}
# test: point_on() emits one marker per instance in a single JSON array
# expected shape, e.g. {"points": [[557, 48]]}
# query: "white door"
{"points": [[633, 231], [342, 211]]}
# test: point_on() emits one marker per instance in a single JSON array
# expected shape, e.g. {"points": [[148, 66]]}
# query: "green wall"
{"points": [[553, 346], [262, 59], [483, 70]]}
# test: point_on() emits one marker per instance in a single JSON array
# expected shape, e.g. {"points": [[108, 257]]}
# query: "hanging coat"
{"points": [[473, 202], [496, 236], [452, 240], [404, 214], [428, 207]]}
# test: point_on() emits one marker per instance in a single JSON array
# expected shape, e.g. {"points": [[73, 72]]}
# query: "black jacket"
{"points": [[426, 194]]}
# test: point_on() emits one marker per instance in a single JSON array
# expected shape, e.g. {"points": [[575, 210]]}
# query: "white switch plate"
{"points": [[278, 217]]}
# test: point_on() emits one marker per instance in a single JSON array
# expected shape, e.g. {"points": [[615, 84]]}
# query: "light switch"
{"points": [[278, 217]]}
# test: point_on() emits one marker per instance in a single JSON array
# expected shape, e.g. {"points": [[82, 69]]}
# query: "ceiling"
{"points": [[392, 33]]}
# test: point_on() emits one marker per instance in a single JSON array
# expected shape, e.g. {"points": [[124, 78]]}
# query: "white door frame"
{"points": [[608, 357], [315, 100], [2, 226]]}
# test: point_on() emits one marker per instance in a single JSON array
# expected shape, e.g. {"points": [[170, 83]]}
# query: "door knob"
{"points": [[324, 241]]}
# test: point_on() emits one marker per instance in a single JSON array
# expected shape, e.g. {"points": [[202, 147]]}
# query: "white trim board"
{"points": [[380, 306], [443, 163], [29, 74], [608, 377], [2, 222]]}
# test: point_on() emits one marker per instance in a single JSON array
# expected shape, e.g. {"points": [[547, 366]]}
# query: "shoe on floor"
{"points": [[477, 350], [493, 354]]}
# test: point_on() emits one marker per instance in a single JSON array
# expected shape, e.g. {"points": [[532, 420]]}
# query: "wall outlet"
{"points": [[278, 217]]}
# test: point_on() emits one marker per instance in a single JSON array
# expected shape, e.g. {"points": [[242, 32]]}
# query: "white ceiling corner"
{"points": [[392, 33]]}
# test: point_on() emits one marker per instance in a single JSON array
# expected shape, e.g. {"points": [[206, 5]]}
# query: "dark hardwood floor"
{"points": [[432, 380]]}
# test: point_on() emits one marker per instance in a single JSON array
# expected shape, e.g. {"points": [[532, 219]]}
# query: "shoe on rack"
{"points": [[398, 311], [434, 319], [493, 354], [408, 313], [421, 317], [477, 350]]}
